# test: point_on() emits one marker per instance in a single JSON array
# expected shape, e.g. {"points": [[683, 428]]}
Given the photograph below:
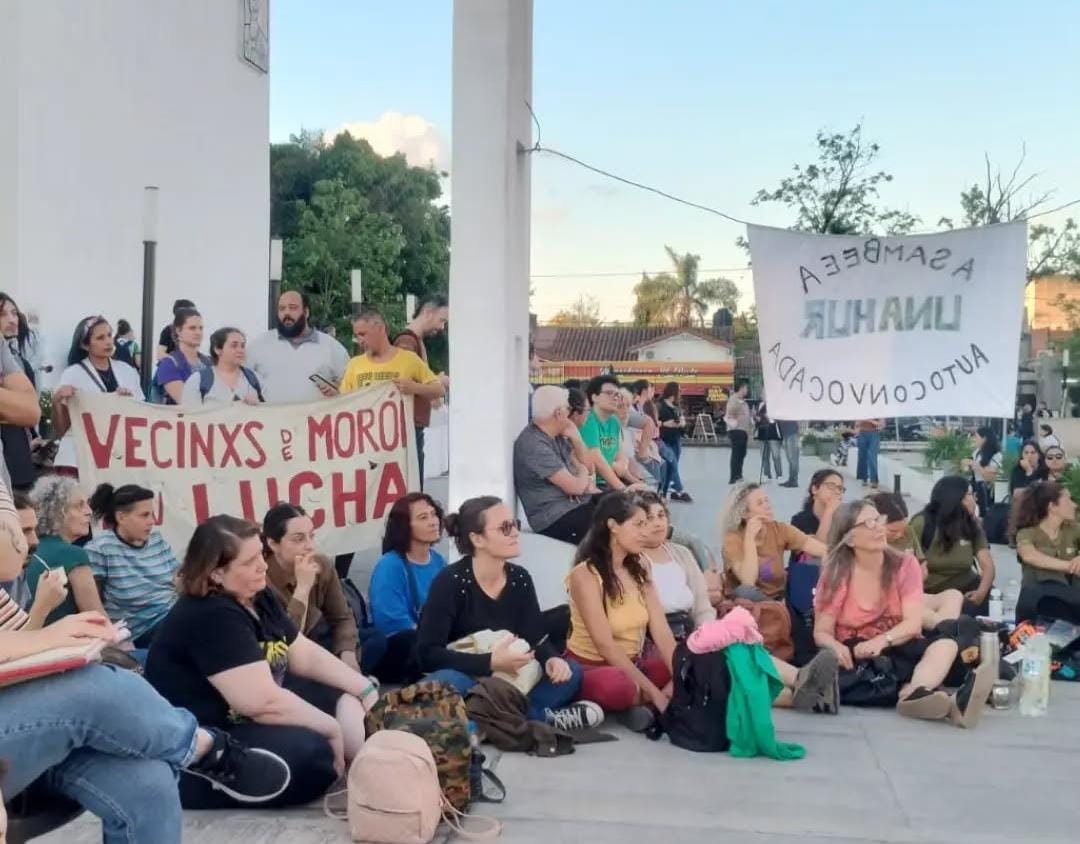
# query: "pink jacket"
{"points": [[737, 626]]}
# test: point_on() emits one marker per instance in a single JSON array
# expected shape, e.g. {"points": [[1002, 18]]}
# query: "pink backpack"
{"points": [[394, 795]]}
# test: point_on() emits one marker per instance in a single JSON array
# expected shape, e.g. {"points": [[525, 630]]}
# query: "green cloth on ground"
{"points": [[754, 686]]}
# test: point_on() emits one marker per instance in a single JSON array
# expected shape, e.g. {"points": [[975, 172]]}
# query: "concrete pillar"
{"points": [[489, 263]]}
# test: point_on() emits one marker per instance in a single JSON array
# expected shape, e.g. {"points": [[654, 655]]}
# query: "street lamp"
{"points": [[355, 286], [149, 238], [275, 280]]}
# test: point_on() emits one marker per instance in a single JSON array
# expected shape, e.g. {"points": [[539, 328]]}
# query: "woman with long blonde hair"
{"points": [[869, 603]]}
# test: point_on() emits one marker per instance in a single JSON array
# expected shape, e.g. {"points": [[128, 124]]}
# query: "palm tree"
{"points": [[679, 298]]}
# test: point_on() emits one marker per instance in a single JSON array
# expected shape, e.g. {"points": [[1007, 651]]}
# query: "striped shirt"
{"points": [[137, 582], [12, 616]]}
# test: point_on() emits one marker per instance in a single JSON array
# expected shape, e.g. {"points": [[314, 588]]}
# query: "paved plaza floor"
{"points": [[868, 776]]}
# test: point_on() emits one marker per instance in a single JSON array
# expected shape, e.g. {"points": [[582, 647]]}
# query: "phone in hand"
{"points": [[319, 381]]}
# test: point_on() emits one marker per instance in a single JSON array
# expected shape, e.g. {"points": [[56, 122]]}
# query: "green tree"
{"points": [[340, 206], [584, 312], [679, 298], [840, 192]]}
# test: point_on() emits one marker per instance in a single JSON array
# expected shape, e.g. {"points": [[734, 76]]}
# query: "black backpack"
{"points": [[696, 718]]}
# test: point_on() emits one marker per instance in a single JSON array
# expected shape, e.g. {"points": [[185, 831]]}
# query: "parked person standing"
{"points": [[1025, 426], [672, 426], [127, 347], [1047, 437], [737, 419], [768, 432], [294, 362], [227, 380], [90, 367], [432, 312], [17, 383], [868, 442], [791, 443], [177, 366], [984, 466], [167, 339]]}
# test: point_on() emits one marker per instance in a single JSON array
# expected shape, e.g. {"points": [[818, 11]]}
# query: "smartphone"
{"points": [[319, 381]]}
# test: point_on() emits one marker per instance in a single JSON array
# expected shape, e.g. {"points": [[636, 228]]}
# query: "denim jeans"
{"points": [[670, 452], [792, 451], [770, 452], [103, 737], [868, 443], [546, 695]]}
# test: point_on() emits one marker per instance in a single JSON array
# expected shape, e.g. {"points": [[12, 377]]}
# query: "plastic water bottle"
{"points": [[1011, 595], [997, 605], [1035, 677]]}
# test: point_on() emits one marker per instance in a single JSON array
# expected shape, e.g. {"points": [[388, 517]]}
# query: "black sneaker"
{"points": [[246, 774], [637, 719]]}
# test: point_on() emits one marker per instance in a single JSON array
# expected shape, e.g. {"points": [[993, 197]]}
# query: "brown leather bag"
{"points": [[773, 620]]}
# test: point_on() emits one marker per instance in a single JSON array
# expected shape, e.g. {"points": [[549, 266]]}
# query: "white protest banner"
{"points": [[345, 460], [864, 327]]}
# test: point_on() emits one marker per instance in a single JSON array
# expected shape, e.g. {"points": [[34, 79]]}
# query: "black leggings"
{"points": [[308, 755], [1049, 599], [398, 664], [572, 526]]}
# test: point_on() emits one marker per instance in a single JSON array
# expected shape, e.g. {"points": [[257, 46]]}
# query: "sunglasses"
{"points": [[509, 527]]}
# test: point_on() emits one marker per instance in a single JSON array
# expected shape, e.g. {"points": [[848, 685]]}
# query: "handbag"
{"points": [[869, 683], [681, 624], [484, 642]]}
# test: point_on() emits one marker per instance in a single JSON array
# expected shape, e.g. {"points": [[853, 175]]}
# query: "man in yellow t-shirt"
{"points": [[381, 361]]}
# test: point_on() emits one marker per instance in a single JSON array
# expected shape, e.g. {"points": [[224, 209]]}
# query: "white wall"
{"points": [[685, 347], [98, 99]]}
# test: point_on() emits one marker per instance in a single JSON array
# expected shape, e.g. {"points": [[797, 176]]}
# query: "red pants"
{"points": [[613, 690]]}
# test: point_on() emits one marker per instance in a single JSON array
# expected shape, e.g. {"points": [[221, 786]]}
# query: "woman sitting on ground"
{"points": [[952, 540], [227, 653], [307, 584], [402, 579], [105, 738], [63, 518], [680, 583], [132, 563], [684, 595], [869, 603], [484, 592], [227, 380], [1031, 467], [1048, 544], [755, 545], [825, 495], [942, 607], [91, 368]]}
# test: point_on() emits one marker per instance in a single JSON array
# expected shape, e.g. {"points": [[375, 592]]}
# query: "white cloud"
{"points": [[411, 134]]}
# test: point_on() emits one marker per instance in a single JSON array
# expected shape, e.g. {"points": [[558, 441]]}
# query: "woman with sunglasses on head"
{"points": [[755, 545], [483, 591], [869, 603], [1031, 467], [953, 540], [90, 367]]}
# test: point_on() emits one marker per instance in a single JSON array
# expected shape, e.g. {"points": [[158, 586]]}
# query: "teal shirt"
{"points": [[58, 554], [606, 436]]}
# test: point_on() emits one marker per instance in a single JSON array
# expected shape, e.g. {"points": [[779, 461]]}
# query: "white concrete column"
{"points": [[489, 263]]}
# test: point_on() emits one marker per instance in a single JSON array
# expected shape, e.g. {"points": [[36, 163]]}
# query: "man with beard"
{"points": [[432, 311], [294, 362]]}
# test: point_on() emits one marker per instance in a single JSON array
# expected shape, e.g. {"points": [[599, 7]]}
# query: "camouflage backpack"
{"points": [[436, 713]]}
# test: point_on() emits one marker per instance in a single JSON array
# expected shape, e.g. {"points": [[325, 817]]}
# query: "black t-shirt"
{"points": [[201, 637], [167, 340], [808, 523], [456, 606], [669, 413]]}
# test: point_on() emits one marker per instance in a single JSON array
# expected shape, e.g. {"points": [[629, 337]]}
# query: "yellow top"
{"points": [[362, 371], [628, 618]]}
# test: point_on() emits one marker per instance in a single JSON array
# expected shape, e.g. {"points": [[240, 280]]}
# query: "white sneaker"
{"points": [[582, 715]]}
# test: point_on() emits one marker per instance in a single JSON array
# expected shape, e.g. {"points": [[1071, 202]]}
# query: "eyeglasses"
{"points": [[873, 522], [833, 485], [1055, 456], [509, 527], [612, 392]]}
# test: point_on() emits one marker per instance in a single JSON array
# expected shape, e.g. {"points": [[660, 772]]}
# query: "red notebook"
{"points": [[53, 661]]}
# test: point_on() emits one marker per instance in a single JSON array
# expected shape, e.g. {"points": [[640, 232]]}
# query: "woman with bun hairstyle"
{"points": [[484, 591], [132, 563]]}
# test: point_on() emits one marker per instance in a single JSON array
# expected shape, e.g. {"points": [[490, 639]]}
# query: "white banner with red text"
{"points": [[856, 327], [345, 460]]}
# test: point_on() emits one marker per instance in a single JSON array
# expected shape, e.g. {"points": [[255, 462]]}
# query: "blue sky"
{"points": [[710, 101]]}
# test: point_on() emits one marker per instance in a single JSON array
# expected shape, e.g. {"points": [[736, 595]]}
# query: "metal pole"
{"points": [[149, 342]]}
